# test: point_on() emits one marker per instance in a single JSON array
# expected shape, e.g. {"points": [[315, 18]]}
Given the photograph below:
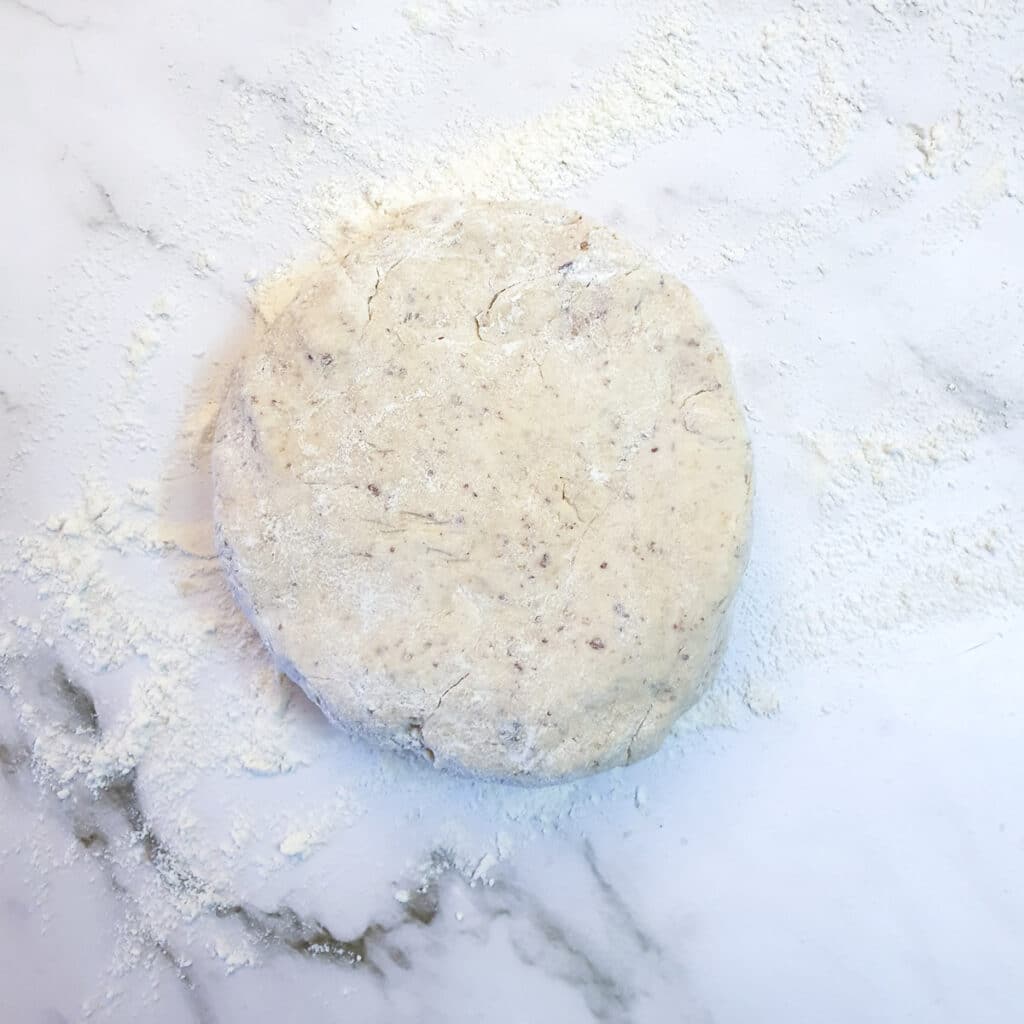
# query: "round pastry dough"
{"points": [[484, 491]]}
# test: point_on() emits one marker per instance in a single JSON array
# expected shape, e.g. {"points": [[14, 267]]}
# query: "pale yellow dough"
{"points": [[484, 490]]}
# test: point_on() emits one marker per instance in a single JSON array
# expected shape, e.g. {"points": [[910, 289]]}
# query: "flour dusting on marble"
{"points": [[207, 791]]}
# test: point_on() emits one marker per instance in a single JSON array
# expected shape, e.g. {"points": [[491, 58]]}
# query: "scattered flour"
{"points": [[205, 782]]}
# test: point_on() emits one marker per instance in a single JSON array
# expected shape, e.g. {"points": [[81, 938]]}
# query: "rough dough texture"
{"points": [[484, 490]]}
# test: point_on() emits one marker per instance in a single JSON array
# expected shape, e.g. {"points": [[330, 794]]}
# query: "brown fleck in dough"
{"points": [[485, 491]]}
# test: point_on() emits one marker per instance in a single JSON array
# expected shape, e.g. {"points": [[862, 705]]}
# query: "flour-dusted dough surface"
{"points": [[484, 490]]}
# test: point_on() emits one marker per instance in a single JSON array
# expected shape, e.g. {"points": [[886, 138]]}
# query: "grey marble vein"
{"points": [[78, 703], [619, 907], [202, 1012], [550, 947], [13, 758], [371, 949], [113, 219], [37, 12]]}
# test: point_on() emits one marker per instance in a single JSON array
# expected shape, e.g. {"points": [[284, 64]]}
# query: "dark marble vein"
{"points": [[202, 1012], [618, 905], [13, 759], [560, 955], [80, 706], [372, 948]]}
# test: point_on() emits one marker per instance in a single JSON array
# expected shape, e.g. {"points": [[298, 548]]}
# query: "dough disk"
{"points": [[484, 491]]}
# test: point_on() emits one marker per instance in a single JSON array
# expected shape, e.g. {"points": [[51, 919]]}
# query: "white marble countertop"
{"points": [[836, 833]]}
